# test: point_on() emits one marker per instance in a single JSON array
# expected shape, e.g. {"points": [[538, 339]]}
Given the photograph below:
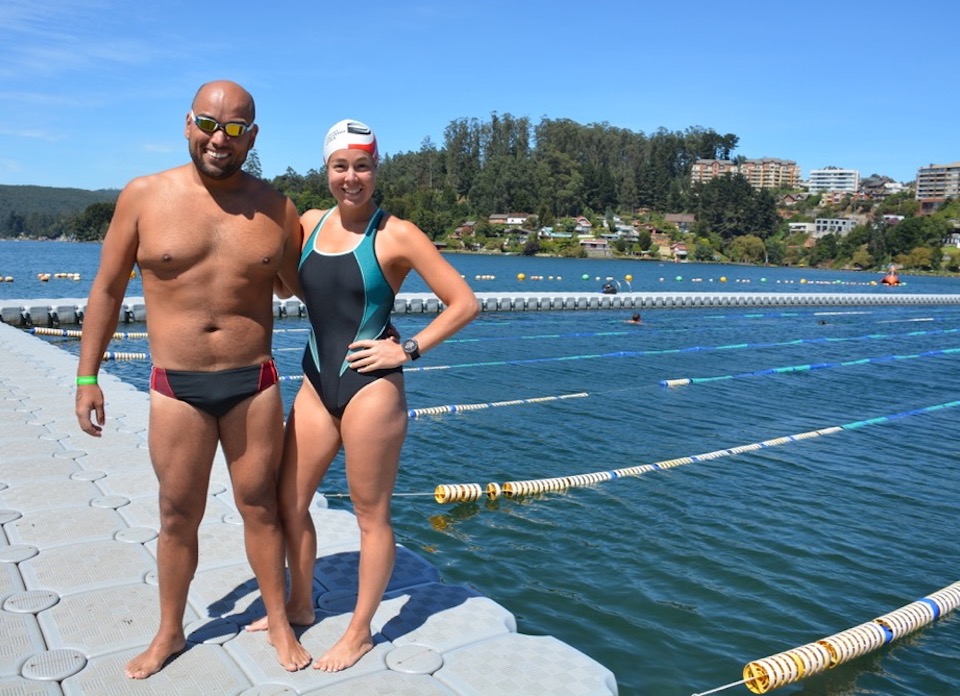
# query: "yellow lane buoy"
{"points": [[457, 492], [765, 674]]}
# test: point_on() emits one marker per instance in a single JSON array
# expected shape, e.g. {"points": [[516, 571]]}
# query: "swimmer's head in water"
{"points": [[350, 135]]}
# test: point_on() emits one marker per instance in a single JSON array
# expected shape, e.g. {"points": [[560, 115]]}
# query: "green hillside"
{"points": [[38, 211], [46, 199]]}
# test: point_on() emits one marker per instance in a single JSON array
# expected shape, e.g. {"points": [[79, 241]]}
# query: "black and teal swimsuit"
{"points": [[348, 299]]}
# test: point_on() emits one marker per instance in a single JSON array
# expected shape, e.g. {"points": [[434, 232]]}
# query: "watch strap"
{"points": [[411, 348]]}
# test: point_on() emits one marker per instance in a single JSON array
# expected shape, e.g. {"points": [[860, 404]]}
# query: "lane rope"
{"points": [[789, 666], [456, 408], [113, 355], [683, 381], [119, 335], [73, 333], [614, 354], [688, 349], [468, 492]]}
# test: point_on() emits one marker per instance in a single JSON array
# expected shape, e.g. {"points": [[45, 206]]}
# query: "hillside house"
{"points": [[466, 229], [596, 247], [583, 225], [683, 221]]}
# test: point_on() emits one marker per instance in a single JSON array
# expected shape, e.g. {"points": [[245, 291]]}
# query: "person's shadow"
{"points": [[335, 588]]}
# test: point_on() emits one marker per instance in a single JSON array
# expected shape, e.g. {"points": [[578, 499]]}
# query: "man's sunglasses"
{"points": [[211, 125]]}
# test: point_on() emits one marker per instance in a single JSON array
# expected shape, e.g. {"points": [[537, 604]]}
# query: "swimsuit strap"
{"points": [[374, 223], [308, 247], [370, 232]]}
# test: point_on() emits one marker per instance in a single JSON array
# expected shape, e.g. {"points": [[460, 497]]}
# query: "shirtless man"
{"points": [[209, 239]]}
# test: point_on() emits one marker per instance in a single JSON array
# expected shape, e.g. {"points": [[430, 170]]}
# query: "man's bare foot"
{"points": [[151, 660], [291, 655], [296, 618], [345, 653]]}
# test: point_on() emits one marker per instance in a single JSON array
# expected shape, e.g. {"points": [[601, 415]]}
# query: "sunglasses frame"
{"points": [[220, 126]]}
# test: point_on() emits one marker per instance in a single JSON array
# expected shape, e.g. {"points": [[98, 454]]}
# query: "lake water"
{"points": [[675, 579], [23, 261]]}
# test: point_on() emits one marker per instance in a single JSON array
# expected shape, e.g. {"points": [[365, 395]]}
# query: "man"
{"points": [[209, 239]]}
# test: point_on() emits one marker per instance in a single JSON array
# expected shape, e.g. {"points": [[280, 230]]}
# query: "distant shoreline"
{"points": [[934, 274], [490, 253]]}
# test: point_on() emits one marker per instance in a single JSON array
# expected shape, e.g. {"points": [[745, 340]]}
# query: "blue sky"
{"points": [[94, 92]]}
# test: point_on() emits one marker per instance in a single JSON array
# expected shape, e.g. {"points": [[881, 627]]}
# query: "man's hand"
{"points": [[90, 399]]}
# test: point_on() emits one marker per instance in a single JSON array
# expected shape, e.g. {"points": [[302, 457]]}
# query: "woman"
{"points": [[353, 261]]}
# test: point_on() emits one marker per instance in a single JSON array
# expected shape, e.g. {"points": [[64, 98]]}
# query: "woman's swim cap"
{"points": [[350, 135]]}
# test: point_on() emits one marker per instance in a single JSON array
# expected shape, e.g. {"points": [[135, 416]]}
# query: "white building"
{"points": [[807, 228], [834, 179], [840, 226]]}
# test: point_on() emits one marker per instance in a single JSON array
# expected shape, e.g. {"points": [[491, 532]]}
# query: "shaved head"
{"points": [[227, 94]]}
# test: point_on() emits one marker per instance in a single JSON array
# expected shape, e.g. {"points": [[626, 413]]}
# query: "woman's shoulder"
{"points": [[397, 225], [311, 217]]}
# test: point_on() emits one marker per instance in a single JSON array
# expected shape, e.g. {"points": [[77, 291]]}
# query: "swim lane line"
{"points": [[623, 354], [414, 413], [683, 381], [774, 671], [672, 351], [468, 492]]}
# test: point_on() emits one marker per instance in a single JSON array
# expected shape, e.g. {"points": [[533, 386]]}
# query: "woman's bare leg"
{"points": [[373, 428]]}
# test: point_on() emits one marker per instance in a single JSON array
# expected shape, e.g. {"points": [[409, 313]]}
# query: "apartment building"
{"points": [[771, 173], [768, 172], [705, 170], [834, 179], [936, 183]]}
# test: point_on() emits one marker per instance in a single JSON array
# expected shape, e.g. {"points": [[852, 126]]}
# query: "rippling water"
{"points": [[677, 578]]}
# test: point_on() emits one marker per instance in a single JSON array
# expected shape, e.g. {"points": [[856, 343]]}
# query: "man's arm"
{"points": [[287, 282], [117, 257]]}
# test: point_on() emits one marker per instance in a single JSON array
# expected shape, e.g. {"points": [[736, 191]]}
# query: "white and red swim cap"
{"points": [[350, 135]]}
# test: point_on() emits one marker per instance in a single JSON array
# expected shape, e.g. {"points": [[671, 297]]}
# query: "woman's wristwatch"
{"points": [[411, 348]]}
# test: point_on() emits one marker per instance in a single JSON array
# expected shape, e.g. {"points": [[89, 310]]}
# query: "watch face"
{"points": [[410, 345]]}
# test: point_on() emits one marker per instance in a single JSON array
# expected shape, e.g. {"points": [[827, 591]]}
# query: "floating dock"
{"points": [[55, 312], [78, 596]]}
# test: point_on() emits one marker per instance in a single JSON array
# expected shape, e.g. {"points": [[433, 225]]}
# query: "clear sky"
{"points": [[94, 92]]}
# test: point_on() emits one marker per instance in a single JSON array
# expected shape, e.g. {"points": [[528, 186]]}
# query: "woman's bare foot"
{"points": [[291, 655], [297, 617], [151, 660], [345, 653]]}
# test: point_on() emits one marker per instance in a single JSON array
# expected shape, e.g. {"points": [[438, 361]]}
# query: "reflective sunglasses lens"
{"points": [[207, 125], [234, 129]]}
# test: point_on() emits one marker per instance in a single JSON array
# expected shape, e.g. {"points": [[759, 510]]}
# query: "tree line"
{"points": [[43, 211], [557, 169]]}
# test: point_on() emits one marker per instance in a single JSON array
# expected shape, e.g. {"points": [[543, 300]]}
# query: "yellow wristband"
{"points": [[86, 379]]}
